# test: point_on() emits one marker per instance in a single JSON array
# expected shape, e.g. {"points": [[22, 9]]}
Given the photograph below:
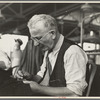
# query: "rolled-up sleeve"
{"points": [[75, 61]]}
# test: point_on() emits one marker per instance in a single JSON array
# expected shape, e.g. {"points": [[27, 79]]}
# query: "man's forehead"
{"points": [[37, 33], [39, 29]]}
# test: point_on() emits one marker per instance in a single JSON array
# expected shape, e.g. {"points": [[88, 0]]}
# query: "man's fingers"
{"points": [[26, 82]]}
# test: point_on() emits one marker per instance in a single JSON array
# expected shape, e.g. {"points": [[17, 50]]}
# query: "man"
{"points": [[68, 61]]}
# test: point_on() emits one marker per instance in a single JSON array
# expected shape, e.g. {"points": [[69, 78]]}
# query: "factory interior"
{"points": [[79, 22]]}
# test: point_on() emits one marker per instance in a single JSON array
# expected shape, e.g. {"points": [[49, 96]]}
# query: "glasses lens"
{"points": [[40, 39]]}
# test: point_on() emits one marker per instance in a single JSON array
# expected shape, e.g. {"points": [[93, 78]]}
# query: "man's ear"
{"points": [[53, 34]]}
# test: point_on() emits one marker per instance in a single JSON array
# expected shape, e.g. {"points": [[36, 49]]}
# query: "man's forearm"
{"points": [[51, 91], [56, 91]]}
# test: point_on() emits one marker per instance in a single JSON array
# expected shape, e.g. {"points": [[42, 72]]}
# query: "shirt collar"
{"points": [[59, 44]]}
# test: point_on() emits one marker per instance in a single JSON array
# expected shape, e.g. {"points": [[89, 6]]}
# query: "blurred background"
{"points": [[79, 22]]}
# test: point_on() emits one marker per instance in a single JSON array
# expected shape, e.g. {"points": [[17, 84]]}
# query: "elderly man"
{"points": [[66, 77]]}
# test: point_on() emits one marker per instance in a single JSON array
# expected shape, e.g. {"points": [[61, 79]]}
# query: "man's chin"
{"points": [[45, 49]]}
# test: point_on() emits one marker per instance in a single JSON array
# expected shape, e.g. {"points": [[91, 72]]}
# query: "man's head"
{"points": [[44, 31]]}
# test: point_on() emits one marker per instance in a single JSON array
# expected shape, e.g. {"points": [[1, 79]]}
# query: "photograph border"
{"points": [[53, 97]]}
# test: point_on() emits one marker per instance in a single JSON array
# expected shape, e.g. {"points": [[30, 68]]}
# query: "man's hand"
{"points": [[19, 75], [23, 75], [34, 86], [27, 76]]}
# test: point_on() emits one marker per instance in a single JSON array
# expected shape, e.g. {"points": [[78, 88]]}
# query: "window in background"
{"points": [[7, 42]]}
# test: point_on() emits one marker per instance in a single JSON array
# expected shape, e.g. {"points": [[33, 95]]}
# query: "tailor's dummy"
{"points": [[16, 55]]}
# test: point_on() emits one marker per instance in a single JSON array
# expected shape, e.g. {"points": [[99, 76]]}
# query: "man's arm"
{"points": [[51, 91], [75, 60]]}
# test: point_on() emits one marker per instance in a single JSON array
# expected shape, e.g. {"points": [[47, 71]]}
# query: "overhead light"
{"points": [[91, 33], [86, 7]]}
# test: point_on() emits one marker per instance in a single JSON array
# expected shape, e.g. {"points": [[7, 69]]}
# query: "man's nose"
{"points": [[36, 43]]}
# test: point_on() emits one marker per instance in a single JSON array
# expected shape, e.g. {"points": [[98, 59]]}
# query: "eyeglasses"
{"points": [[40, 40]]}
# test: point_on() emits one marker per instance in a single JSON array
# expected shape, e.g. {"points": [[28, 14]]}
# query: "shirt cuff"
{"points": [[40, 74], [75, 89]]}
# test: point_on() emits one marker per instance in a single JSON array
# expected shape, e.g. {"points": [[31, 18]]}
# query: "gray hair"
{"points": [[48, 21]]}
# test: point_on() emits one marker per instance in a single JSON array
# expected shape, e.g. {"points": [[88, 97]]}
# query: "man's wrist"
{"points": [[30, 77]]}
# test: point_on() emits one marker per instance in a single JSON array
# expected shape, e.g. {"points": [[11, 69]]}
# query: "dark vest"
{"points": [[57, 78]]}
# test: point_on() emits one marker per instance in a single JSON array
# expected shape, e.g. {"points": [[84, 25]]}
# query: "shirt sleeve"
{"points": [[43, 66], [75, 61]]}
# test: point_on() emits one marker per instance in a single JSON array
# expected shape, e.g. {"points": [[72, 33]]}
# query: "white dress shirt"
{"points": [[75, 60]]}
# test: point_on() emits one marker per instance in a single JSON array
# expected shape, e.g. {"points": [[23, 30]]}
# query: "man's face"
{"points": [[43, 36], [44, 40]]}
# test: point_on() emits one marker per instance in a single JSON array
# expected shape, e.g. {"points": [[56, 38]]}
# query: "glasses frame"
{"points": [[40, 40]]}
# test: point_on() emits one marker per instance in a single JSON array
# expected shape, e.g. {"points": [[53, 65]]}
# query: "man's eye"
{"points": [[38, 38]]}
